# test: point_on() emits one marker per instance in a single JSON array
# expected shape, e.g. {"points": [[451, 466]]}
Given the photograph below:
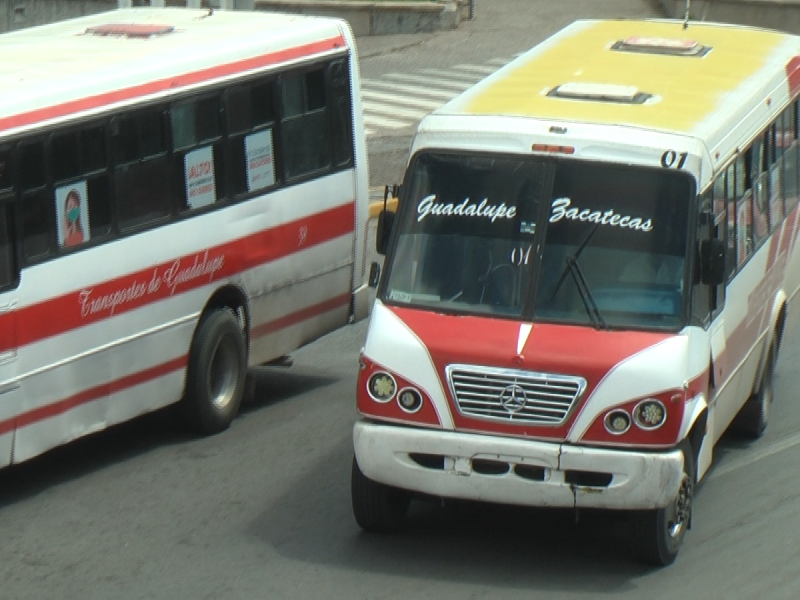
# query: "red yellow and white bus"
{"points": [[591, 269], [183, 193]]}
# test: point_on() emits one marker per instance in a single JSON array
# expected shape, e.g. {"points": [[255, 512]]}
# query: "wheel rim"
{"points": [[766, 388], [223, 373], [680, 511]]}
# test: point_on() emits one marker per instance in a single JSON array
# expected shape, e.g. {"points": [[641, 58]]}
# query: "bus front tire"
{"points": [[377, 508], [216, 374], [753, 417], [660, 533]]}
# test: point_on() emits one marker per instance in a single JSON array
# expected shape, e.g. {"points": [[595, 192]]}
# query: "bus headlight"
{"points": [[617, 422], [381, 386], [649, 414], [409, 400]]}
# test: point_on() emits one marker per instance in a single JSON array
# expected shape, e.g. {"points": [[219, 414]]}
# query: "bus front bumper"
{"points": [[489, 468]]}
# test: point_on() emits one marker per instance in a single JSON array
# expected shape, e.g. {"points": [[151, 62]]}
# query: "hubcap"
{"points": [[682, 508], [222, 374]]}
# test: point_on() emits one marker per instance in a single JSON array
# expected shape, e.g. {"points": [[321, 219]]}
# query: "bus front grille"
{"points": [[513, 396]]}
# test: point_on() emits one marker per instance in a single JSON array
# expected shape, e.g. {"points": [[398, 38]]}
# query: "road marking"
{"points": [[439, 82], [391, 110], [410, 89], [371, 120], [416, 94], [476, 69], [749, 458], [440, 75], [401, 100]]}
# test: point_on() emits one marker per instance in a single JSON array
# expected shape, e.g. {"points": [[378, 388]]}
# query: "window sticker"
{"points": [[199, 170], [72, 214], [260, 163], [561, 209]]}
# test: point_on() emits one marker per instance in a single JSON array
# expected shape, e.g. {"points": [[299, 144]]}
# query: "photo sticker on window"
{"points": [[72, 213]]}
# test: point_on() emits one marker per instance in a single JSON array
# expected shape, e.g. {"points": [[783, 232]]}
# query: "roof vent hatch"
{"points": [[600, 92], [657, 45], [130, 30]]}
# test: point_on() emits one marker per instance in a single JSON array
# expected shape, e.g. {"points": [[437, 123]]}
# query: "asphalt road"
{"points": [[263, 509]]}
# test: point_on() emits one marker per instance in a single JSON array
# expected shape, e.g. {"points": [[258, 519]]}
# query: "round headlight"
{"points": [[649, 414], [381, 386], [617, 422], [409, 400]]}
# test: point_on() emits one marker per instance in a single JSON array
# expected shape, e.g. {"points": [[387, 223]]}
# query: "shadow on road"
{"points": [[135, 438], [496, 546]]}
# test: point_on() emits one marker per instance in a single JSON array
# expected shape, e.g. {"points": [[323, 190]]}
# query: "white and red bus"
{"points": [[183, 193], [591, 269]]}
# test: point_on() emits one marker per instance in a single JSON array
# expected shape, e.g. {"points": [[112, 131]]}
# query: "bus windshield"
{"points": [[524, 237]]}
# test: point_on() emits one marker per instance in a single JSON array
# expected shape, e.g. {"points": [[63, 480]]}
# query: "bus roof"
{"points": [[654, 75], [89, 63]]}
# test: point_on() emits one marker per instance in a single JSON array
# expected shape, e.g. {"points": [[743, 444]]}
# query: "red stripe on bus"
{"points": [[793, 75], [301, 315], [91, 394], [95, 393], [175, 276], [170, 83]]}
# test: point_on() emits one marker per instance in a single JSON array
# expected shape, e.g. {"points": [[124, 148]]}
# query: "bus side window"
{"points": [[341, 113], [744, 228], [79, 162], [8, 269], [36, 208], [730, 209], [790, 170], [305, 138], [142, 181], [775, 137], [758, 183], [6, 171], [250, 120], [196, 140]]}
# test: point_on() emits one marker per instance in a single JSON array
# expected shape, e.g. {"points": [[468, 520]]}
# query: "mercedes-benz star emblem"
{"points": [[513, 398]]}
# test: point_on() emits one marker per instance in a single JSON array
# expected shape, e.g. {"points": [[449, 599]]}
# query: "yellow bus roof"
{"points": [[685, 90]]}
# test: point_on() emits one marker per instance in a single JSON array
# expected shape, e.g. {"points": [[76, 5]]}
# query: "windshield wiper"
{"points": [[573, 268], [585, 293], [574, 257]]}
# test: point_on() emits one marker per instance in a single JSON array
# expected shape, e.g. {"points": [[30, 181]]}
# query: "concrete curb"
{"points": [[381, 18]]}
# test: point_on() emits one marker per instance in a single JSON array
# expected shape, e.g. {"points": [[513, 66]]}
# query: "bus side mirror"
{"points": [[384, 230], [712, 261], [374, 275]]}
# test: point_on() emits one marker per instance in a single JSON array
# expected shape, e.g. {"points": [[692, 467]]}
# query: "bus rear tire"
{"points": [[753, 417], [377, 508], [216, 374], [660, 533]]}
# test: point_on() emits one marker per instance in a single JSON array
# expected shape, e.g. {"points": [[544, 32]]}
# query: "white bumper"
{"points": [[537, 475]]}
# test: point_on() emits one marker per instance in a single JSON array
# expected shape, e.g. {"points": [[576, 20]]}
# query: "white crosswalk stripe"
{"points": [[399, 100], [431, 80]]}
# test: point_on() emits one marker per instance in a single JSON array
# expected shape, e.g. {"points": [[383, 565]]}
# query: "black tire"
{"points": [[660, 533], [377, 507], [753, 417], [215, 377]]}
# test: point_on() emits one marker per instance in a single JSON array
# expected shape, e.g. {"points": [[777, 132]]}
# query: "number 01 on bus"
{"points": [[588, 278]]}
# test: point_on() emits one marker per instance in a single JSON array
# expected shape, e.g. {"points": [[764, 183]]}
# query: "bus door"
{"points": [[9, 382]]}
